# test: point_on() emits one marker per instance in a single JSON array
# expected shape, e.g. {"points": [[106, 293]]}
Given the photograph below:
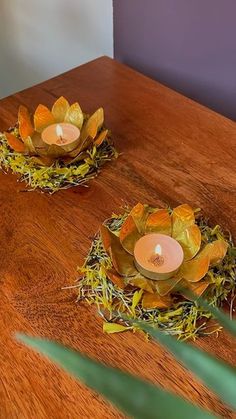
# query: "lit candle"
{"points": [[64, 135], [158, 256]]}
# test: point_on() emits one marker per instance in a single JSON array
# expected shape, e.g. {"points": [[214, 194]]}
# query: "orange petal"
{"points": [[159, 222], [101, 137], [116, 279], [105, 237], [93, 124], [14, 143], [190, 240], [164, 287], [140, 281], [198, 288], [139, 214], [60, 109], [182, 217], [26, 128], [216, 251], [150, 301], [195, 269], [75, 115], [43, 117], [129, 234]]}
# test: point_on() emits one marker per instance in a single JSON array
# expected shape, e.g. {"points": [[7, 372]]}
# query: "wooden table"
{"points": [[173, 150]]}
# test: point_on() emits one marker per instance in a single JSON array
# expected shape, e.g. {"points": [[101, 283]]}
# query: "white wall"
{"points": [[43, 38]]}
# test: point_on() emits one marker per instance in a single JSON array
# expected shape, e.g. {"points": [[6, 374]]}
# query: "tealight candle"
{"points": [[64, 135], [158, 256]]}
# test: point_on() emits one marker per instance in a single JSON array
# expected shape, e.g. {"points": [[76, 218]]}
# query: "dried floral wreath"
{"points": [[110, 280], [52, 167]]}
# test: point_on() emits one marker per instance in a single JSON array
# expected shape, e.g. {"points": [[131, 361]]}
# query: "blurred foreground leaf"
{"points": [[135, 397], [222, 318], [214, 373]]}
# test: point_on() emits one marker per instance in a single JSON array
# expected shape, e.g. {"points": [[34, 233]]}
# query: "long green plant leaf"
{"points": [[135, 397], [214, 373]]}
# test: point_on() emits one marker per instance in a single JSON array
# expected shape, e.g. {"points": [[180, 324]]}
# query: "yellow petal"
{"points": [[86, 144], [26, 128], [101, 137], [55, 151], [164, 287], [159, 222], [198, 288], [42, 161], [93, 124], [81, 146], [182, 217], [136, 299], [115, 278], [151, 301], [129, 234], [43, 117], [122, 261], [190, 240], [140, 281], [60, 109], [14, 143], [75, 115], [37, 140], [74, 153], [115, 328], [30, 146], [216, 251], [72, 160], [195, 269]]}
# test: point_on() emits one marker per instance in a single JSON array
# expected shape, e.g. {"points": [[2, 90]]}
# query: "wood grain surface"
{"points": [[173, 151]]}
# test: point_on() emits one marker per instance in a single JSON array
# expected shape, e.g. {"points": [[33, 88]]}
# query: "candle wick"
{"points": [[156, 260], [60, 140]]}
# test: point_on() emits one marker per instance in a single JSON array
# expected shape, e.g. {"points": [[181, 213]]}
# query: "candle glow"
{"points": [[64, 134], [158, 256], [158, 249], [59, 130]]}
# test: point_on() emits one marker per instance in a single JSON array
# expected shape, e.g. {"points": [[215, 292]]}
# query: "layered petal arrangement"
{"points": [[179, 224], [31, 142], [56, 148], [112, 280]]}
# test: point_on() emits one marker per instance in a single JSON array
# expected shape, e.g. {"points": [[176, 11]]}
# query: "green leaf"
{"points": [[215, 373], [135, 397]]}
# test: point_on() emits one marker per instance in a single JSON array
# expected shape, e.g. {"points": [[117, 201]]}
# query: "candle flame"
{"points": [[158, 250], [59, 130]]}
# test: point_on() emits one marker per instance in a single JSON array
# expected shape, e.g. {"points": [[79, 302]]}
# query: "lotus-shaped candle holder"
{"points": [[180, 225], [111, 278], [62, 138]]}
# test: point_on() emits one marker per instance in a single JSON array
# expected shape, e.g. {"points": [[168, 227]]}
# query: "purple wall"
{"points": [[189, 45]]}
